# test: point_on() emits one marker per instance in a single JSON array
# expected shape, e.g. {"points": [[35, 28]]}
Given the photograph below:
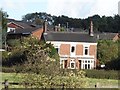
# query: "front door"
{"points": [[79, 64], [65, 64]]}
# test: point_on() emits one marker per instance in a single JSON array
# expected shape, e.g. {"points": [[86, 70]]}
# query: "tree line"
{"points": [[101, 23]]}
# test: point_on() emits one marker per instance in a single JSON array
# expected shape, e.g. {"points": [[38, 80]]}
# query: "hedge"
{"points": [[8, 69], [98, 74], [102, 74]]}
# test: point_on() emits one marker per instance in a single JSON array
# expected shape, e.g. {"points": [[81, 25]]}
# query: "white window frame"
{"points": [[71, 63], [73, 53], [88, 62], [57, 46], [86, 46]]}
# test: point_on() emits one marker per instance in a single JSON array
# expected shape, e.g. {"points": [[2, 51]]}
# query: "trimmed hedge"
{"points": [[98, 74], [102, 74], [8, 69]]}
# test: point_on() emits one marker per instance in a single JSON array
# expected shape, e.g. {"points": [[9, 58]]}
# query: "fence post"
{"points": [[63, 86], [6, 84]]}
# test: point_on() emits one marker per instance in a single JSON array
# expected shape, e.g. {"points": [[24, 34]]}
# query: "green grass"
{"points": [[12, 77], [102, 83]]}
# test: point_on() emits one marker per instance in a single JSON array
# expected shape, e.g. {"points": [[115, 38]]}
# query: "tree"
{"points": [[107, 51], [38, 18], [39, 63], [115, 64], [3, 22]]}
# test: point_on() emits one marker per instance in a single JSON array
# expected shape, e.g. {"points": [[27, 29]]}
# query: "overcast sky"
{"points": [[72, 8]]}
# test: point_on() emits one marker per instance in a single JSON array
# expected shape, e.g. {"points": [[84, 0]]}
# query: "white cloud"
{"points": [[83, 8], [105, 7], [71, 8], [12, 4]]}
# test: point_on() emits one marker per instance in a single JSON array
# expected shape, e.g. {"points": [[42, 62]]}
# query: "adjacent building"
{"points": [[18, 29]]}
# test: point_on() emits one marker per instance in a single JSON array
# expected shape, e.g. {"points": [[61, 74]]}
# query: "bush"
{"points": [[8, 69], [13, 58], [44, 81], [102, 74]]}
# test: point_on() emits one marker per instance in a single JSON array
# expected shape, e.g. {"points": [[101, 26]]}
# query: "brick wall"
{"points": [[79, 49], [92, 50], [65, 49], [38, 33]]}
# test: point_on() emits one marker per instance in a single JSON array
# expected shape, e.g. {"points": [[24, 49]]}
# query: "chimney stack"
{"points": [[91, 29], [45, 26], [58, 27]]}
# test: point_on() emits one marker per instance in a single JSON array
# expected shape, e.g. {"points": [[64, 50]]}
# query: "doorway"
{"points": [[79, 64]]}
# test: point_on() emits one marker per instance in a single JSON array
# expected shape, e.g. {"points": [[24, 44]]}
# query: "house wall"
{"points": [[79, 58], [38, 33], [79, 49], [65, 49], [92, 50]]}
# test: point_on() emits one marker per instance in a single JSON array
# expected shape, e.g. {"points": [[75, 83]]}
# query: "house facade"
{"points": [[76, 50]]}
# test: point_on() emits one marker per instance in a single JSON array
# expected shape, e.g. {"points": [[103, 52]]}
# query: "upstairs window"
{"points": [[72, 49], [57, 50], [86, 50]]}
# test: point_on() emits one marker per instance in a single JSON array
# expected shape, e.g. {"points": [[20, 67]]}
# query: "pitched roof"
{"points": [[69, 37], [27, 27], [106, 36]]}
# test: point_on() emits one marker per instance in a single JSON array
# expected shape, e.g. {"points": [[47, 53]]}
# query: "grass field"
{"points": [[101, 83]]}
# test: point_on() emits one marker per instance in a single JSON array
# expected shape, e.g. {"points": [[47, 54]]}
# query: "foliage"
{"points": [[102, 74], [39, 62], [13, 43], [15, 57], [104, 83], [30, 51], [107, 51], [8, 70], [114, 64], [37, 18], [101, 24], [41, 66], [71, 80], [3, 22]]}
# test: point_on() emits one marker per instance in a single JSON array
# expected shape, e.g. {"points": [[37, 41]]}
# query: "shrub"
{"points": [[8, 69], [72, 80], [13, 58], [102, 74]]}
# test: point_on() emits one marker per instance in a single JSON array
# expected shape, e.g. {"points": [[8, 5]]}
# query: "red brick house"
{"points": [[76, 50], [18, 29]]}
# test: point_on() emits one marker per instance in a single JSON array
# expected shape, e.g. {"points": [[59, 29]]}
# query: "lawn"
{"points": [[101, 83]]}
